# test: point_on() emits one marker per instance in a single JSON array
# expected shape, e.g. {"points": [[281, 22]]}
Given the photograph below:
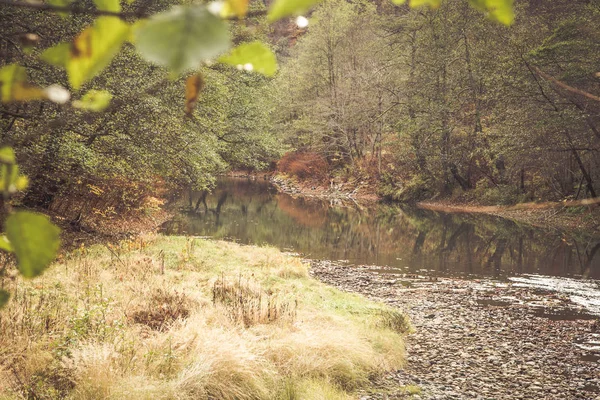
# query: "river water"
{"points": [[404, 240]]}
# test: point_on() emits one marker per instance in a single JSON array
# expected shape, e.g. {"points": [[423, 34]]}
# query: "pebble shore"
{"points": [[480, 339]]}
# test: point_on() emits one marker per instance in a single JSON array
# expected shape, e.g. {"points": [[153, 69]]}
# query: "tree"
{"points": [[94, 49], [334, 89]]}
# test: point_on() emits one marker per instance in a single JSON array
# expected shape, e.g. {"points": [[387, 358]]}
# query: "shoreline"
{"points": [[575, 216], [478, 339], [580, 216]]}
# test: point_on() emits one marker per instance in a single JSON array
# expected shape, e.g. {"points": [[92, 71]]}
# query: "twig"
{"points": [[140, 13], [115, 254], [564, 85], [16, 115], [71, 9]]}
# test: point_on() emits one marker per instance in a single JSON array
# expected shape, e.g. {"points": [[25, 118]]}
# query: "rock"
{"points": [[464, 350]]}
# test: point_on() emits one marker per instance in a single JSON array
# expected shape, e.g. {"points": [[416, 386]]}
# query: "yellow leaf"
{"points": [[91, 51], [193, 87], [14, 85], [238, 8], [26, 92]]}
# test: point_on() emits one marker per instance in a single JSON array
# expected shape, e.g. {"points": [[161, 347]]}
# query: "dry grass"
{"points": [[162, 310], [182, 318], [249, 304]]}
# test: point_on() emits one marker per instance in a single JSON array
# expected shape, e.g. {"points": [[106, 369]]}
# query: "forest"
{"points": [[448, 102], [415, 103]]}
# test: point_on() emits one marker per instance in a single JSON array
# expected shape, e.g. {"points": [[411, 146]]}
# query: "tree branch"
{"points": [[16, 115], [140, 13], [71, 9], [564, 85]]}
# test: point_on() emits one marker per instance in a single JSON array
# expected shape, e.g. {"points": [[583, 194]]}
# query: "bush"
{"points": [[497, 195], [304, 165], [416, 188]]}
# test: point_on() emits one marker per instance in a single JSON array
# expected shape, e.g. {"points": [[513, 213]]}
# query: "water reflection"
{"points": [[251, 211]]}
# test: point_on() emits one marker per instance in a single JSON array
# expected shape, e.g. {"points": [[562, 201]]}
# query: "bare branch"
{"points": [[16, 115], [140, 13], [564, 85], [71, 9]]}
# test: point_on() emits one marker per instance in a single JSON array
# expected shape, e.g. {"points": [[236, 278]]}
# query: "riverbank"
{"points": [[579, 216], [481, 339], [334, 191], [189, 318]]}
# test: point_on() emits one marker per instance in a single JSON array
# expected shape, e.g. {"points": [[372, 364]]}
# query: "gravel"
{"points": [[480, 339]]}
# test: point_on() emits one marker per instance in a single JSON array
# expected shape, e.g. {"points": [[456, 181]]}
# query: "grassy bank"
{"points": [[183, 318], [564, 216]]}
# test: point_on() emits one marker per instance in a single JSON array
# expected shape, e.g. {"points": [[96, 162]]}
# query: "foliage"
{"points": [[99, 49], [30, 236], [304, 165], [445, 101]]}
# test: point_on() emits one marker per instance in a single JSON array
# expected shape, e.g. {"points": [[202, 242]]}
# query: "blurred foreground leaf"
{"points": [[35, 241], [255, 56], [182, 37]]}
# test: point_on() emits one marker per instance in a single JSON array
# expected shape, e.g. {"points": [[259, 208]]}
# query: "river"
{"points": [[398, 239]]}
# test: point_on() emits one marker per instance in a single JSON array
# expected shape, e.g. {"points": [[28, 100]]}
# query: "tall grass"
{"points": [[184, 318]]}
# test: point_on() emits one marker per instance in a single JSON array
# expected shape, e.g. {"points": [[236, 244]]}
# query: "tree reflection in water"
{"points": [[251, 211]]}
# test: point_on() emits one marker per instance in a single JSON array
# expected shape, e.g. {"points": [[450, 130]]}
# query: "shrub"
{"points": [[162, 310], [416, 188], [497, 195], [247, 303], [304, 165]]}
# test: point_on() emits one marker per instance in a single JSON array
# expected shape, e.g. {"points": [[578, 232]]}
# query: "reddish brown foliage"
{"points": [[109, 207], [303, 211], [304, 165]]}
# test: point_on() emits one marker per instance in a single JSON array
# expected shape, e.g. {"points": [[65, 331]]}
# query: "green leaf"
{"points": [[182, 37], [4, 297], [7, 156], [91, 51], [60, 3], [421, 3], [255, 54], [94, 100], [285, 8], [14, 85], [8, 76], [5, 244], [35, 241], [108, 5], [57, 55], [398, 2], [500, 10]]}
